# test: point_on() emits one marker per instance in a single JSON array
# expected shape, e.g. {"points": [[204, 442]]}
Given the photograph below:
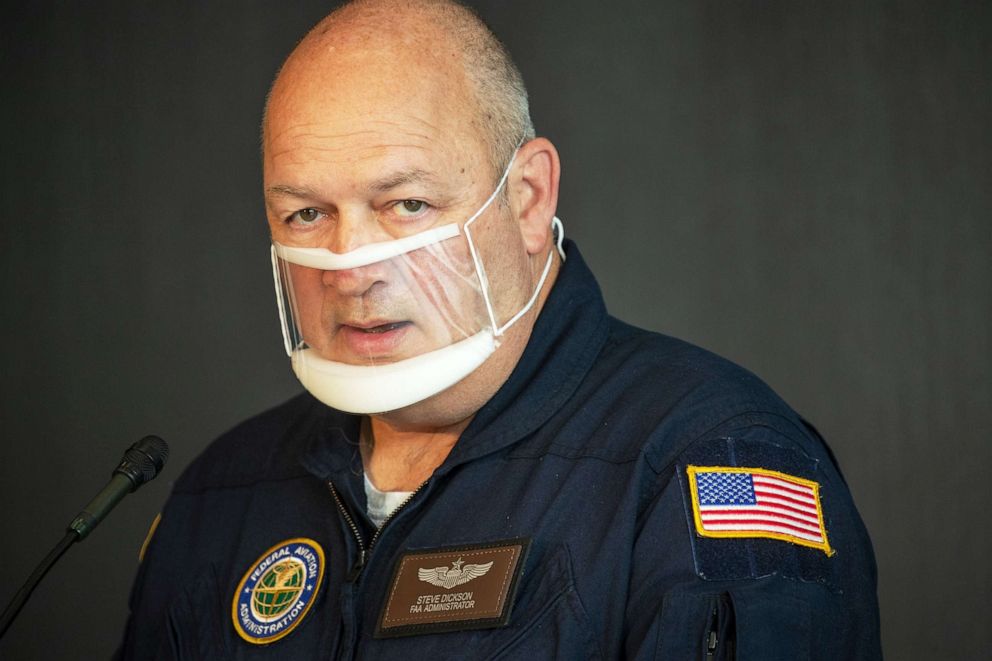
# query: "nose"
{"points": [[352, 231], [353, 228], [356, 281]]}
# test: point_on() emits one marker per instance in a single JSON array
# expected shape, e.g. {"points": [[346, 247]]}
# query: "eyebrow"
{"points": [[413, 175], [386, 184], [283, 190]]}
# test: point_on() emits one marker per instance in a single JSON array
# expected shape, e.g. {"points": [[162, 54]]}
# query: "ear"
{"points": [[534, 192]]}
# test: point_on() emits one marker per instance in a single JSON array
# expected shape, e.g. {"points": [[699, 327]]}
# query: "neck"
{"points": [[401, 459], [402, 449]]}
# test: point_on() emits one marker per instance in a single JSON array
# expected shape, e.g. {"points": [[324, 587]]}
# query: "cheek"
{"points": [[306, 294], [507, 265], [443, 283]]}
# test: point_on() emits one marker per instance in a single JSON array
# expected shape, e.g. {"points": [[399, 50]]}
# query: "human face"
{"points": [[346, 167]]}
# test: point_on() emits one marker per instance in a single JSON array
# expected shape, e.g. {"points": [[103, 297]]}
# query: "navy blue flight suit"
{"points": [[585, 452]]}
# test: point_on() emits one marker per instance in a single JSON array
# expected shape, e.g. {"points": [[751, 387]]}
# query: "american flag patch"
{"points": [[754, 502]]}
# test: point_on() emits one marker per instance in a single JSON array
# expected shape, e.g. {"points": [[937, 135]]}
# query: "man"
{"points": [[486, 464]]}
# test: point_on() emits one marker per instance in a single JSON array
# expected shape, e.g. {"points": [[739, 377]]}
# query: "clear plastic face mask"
{"points": [[392, 322], [382, 312], [383, 335]]}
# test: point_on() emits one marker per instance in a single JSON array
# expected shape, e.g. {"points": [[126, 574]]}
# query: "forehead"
{"points": [[355, 108]]}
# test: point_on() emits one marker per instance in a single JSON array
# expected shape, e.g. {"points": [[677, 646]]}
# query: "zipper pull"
{"points": [[711, 638], [357, 568], [711, 645], [720, 639]]}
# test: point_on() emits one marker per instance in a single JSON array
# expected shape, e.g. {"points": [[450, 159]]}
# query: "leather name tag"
{"points": [[452, 589]]}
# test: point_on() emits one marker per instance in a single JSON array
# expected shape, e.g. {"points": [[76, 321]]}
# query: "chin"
{"points": [[458, 404], [448, 408]]}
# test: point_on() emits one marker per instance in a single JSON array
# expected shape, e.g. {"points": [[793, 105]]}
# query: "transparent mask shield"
{"points": [[372, 329]]}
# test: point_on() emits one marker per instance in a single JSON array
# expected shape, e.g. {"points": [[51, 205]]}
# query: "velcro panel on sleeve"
{"points": [[755, 553]]}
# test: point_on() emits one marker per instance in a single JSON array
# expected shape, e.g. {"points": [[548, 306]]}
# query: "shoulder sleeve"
{"points": [[751, 548], [172, 607]]}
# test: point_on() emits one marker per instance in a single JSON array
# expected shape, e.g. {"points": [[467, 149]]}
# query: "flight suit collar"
{"points": [[569, 333]]}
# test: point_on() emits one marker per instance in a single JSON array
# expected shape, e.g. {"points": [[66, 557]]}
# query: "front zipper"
{"points": [[357, 568], [364, 551]]}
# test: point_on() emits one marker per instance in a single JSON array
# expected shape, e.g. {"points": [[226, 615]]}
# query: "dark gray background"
{"points": [[804, 188]]}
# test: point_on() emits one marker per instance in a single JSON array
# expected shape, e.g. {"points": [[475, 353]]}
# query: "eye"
{"points": [[410, 208], [307, 216]]}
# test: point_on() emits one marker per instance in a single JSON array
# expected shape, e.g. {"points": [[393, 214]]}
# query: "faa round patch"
{"points": [[278, 590]]}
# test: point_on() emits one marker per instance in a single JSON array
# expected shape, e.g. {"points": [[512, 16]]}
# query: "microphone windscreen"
{"points": [[143, 460]]}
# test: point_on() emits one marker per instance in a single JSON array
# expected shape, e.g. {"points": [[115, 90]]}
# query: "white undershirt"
{"points": [[382, 503]]}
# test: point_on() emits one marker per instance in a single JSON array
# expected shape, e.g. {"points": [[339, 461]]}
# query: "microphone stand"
{"points": [[141, 463], [21, 598]]}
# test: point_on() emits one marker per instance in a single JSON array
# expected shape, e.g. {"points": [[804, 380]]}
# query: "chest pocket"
{"points": [[548, 620]]}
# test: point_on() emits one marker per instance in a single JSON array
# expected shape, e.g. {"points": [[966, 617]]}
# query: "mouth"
{"points": [[379, 328], [374, 339]]}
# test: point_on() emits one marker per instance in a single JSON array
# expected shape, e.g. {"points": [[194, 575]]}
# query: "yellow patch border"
{"points": [[303, 614], [148, 538], [815, 486]]}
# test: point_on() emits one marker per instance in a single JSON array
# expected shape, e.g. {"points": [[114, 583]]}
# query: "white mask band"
{"points": [[370, 253]]}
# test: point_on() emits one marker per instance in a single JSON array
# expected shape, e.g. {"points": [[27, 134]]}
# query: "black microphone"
{"points": [[141, 463]]}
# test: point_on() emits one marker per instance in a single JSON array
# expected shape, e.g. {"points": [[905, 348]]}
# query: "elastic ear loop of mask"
{"points": [[481, 270], [559, 230], [556, 225]]}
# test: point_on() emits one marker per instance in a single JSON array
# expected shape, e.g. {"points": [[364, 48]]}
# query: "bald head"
{"points": [[442, 37], [391, 119]]}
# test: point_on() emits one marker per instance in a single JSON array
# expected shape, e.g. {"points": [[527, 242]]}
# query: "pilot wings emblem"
{"points": [[449, 577]]}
